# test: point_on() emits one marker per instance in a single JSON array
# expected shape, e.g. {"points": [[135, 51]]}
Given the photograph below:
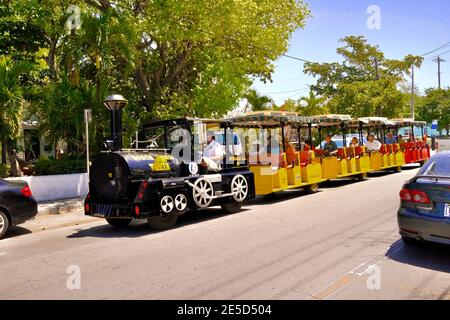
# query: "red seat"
{"points": [[305, 158]]}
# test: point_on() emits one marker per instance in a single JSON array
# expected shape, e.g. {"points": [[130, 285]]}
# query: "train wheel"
{"points": [[162, 222], [232, 206], [397, 169], [118, 223], [362, 177], [239, 188], [181, 202], [167, 204], [202, 193], [313, 188]]}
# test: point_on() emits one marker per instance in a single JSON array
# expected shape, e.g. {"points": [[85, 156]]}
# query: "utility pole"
{"points": [[412, 92], [439, 60]]}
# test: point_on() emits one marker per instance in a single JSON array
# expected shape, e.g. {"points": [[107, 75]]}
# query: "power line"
{"points": [[437, 49], [439, 55]]}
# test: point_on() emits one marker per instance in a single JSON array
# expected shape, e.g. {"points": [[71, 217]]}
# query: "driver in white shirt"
{"points": [[212, 155], [373, 144]]}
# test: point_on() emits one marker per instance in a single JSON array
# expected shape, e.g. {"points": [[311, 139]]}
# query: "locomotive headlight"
{"points": [[193, 168]]}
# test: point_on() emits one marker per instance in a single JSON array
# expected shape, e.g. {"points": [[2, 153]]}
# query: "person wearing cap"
{"points": [[330, 147]]}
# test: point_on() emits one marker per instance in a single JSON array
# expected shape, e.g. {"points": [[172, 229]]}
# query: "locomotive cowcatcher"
{"points": [[167, 173]]}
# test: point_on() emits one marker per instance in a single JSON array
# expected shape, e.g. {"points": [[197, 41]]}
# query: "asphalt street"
{"points": [[341, 243]]}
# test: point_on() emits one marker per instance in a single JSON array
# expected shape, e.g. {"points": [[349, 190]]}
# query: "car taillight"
{"points": [[137, 210], [87, 208], [415, 196], [26, 192], [142, 190], [405, 195], [420, 197]]}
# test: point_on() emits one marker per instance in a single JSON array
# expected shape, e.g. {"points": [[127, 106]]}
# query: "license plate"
{"points": [[102, 210], [447, 210]]}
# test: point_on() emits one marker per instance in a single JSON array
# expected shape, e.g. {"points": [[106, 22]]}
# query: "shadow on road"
{"points": [[140, 228], [16, 231], [431, 256]]}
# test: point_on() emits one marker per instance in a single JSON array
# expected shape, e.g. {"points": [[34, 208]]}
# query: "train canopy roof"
{"points": [[182, 121], [271, 119], [329, 120], [407, 122]]}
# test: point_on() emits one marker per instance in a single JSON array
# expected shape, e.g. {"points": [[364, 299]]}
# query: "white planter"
{"points": [[56, 187]]}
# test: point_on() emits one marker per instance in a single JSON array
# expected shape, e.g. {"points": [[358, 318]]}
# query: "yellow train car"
{"points": [[384, 154], [275, 154], [339, 158]]}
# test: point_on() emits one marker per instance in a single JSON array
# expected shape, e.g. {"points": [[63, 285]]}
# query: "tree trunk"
{"points": [[15, 170], [3, 152]]}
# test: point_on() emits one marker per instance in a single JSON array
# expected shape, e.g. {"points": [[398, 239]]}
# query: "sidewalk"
{"points": [[60, 206], [58, 214]]}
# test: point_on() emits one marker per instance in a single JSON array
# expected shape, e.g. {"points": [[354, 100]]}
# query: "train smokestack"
{"points": [[115, 103]]}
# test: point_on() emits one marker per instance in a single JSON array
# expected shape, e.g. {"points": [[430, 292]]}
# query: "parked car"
{"points": [[17, 204], [424, 212]]}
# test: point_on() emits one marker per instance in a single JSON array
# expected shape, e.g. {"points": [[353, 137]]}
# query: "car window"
{"points": [[438, 165]]}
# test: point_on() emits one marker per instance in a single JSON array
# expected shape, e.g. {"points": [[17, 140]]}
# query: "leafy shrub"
{"points": [[4, 170], [45, 167]]}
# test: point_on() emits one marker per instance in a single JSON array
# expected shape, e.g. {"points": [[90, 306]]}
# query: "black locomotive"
{"points": [[165, 175]]}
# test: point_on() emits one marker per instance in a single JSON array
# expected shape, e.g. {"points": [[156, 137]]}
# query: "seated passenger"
{"points": [[390, 139], [354, 142], [307, 146], [291, 155], [212, 155], [425, 138], [373, 144], [330, 148]]}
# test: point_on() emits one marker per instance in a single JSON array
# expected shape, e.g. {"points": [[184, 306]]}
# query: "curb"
{"points": [[46, 209]]}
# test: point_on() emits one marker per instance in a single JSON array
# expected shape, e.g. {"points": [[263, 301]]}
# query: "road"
{"points": [[296, 246]]}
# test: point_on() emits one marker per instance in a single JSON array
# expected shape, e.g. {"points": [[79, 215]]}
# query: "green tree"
{"points": [[312, 105], [258, 102], [365, 83], [12, 103], [435, 105]]}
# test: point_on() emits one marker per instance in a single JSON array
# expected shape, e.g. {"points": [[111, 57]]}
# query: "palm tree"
{"points": [[258, 102], [11, 105], [312, 105]]}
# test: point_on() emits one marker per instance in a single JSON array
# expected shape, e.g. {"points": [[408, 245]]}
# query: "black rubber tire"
{"points": [[162, 222], [362, 177], [397, 169], [5, 227], [119, 223], [311, 189], [409, 241], [422, 163], [232, 207]]}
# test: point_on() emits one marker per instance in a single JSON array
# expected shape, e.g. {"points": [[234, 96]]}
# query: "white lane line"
{"points": [[355, 273]]}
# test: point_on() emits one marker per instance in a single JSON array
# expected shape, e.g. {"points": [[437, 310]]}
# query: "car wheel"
{"points": [[409, 241], [4, 224], [162, 222], [232, 207], [119, 223]]}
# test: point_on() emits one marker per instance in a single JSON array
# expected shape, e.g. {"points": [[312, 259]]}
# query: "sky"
{"points": [[405, 27]]}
